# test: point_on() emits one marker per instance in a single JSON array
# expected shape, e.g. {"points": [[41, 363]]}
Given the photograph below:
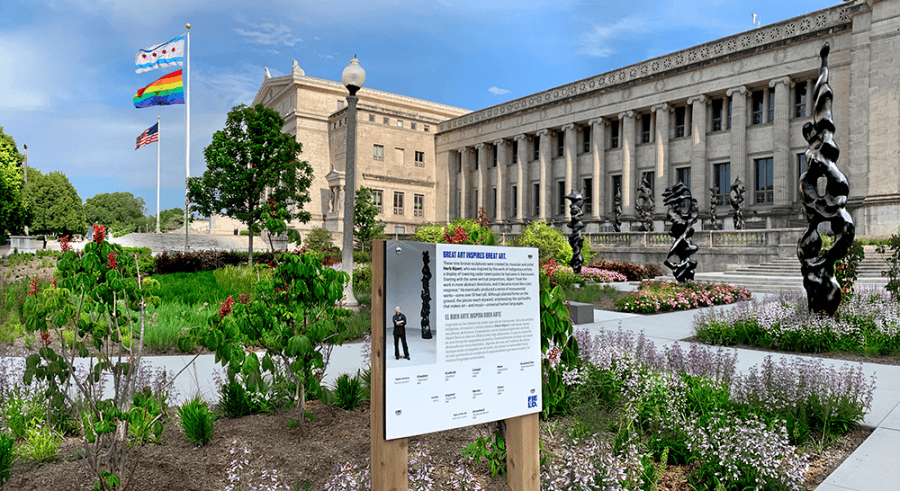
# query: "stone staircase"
{"points": [[783, 274], [174, 241]]}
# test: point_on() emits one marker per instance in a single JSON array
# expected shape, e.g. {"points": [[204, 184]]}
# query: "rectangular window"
{"points": [[645, 128], [771, 106], [536, 198], [399, 123], [426, 128], [756, 107], [614, 134], [764, 181], [722, 180], [802, 166], [588, 195], [728, 118], [494, 150], [514, 204], [420, 159], [340, 104], [800, 100], [561, 197], [398, 203], [616, 189], [586, 139], [412, 126], [537, 148], [493, 202], [419, 205], [476, 158], [515, 151], [372, 117], [679, 122], [378, 152], [560, 143], [717, 115], [399, 156], [683, 174], [386, 121], [378, 199]]}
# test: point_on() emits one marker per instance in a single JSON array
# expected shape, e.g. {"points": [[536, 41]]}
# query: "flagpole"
{"points": [[187, 124], [158, 144]]}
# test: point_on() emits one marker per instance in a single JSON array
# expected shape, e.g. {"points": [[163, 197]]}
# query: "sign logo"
{"points": [[532, 401]]}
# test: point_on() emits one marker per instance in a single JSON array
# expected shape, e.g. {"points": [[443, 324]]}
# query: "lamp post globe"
{"points": [[353, 78]]}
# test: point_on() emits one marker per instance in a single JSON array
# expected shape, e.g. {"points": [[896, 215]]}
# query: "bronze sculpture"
{"points": [[576, 239], [617, 210], [645, 206], [823, 293], [713, 202], [683, 214], [737, 198], [426, 296]]}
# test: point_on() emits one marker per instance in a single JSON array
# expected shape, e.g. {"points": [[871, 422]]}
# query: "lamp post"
{"points": [[353, 78]]}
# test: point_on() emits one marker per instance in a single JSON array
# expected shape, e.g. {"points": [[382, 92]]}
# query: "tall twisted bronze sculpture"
{"points": [[713, 203], [576, 239], [645, 206], [683, 214], [617, 211], [737, 199], [823, 293], [426, 296]]}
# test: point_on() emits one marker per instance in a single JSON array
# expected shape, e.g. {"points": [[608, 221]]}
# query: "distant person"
{"points": [[400, 334]]}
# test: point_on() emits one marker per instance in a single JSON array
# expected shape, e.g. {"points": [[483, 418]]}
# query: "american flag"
{"points": [[149, 136]]}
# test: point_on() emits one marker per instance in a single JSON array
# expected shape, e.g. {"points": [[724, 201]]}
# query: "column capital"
{"points": [[479, 146], [698, 99], [783, 80], [499, 142], [462, 150], [520, 136], [737, 90], [568, 126], [626, 114], [659, 107], [596, 121], [542, 132]]}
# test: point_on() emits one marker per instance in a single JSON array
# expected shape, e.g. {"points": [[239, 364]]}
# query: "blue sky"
{"points": [[67, 66]]}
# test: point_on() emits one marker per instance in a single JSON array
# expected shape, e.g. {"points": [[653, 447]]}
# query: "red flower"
{"points": [[244, 298], [64, 243], [99, 233], [459, 237], [33, 287], [226, 307], [45, 338], [111, 262], [54, 283]]}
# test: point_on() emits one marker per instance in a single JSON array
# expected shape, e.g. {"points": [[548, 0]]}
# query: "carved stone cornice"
{"points": [[740, 90], [626, 114], [698, 99], [659, 107], [782, 80]]}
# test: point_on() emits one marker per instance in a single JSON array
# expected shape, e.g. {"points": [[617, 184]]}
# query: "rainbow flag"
{"points": [[163, 92]]}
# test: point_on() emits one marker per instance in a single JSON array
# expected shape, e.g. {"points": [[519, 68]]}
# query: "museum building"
{"points": [[707, 115]]}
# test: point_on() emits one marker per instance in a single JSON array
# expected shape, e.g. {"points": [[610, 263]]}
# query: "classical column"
{"points": [[481, 148], [809, 97], [464, 182], [521, 175], [570, 154], [698, 150], [545, 176], [501, 149], [739, 135], [629, 163], [781, 142], [662, 153], [598, 175]]}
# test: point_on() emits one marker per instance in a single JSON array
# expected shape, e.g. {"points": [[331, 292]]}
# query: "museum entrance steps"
{"points": [[783, 274], [174, 241]]}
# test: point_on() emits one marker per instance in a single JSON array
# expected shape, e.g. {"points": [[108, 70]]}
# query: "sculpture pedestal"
{"points": [[581, 313]]}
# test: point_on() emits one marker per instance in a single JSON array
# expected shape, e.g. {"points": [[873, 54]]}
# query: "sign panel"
{"points": [[462, 336]]}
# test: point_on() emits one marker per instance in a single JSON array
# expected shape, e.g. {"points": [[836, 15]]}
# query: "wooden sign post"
{"points": [[390, 459]]}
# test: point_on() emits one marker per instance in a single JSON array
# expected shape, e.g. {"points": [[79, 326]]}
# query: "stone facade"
{"points": [[705, 115], [395, 152]]}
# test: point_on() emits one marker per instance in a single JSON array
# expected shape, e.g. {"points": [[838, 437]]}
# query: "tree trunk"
{"points": [[250, 256]]}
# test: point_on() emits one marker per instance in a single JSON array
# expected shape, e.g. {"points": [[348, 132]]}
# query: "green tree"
{"points": [[53, 204], [250, 160], [171, 219], [549, 241], [119, 211], [13, 213], [366, 227]]}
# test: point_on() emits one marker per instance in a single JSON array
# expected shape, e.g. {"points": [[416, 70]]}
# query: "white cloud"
{"points": [[498, 91], [269, 34], [603, 40]]}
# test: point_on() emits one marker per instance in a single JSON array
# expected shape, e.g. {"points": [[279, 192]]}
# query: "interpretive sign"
{"points": [[461, 336]]}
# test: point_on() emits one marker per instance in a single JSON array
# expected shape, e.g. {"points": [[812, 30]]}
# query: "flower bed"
{"points": [[868, 321], [664, 296]]}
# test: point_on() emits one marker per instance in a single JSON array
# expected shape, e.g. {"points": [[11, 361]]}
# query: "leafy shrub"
{"points": [[7, 456], [549, 241], [234, 400], [631, 271], [845, 268], [190, 262], [594, 275], [319, 240], [144, 257], [459, 231], [430, 232], [196, 421], [654, 270], [145, 418], [892, 247], [41, 443], [493, 451], [362, 277], [362, 257], [348, 391]]}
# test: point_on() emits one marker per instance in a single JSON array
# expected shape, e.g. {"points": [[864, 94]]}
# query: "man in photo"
{"points": [[400, 334]]}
